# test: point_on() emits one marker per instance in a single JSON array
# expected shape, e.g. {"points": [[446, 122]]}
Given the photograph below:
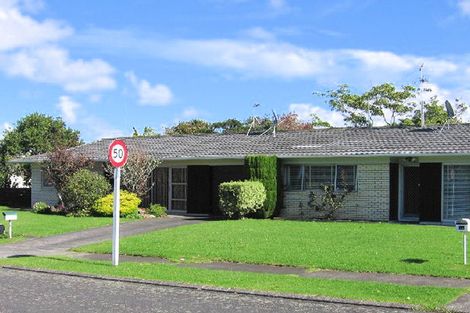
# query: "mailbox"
{"points": [[463, 225], [10, 216]]}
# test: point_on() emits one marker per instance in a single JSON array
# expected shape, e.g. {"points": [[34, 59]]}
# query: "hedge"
{"points": [[240, 198], [265, 169]]}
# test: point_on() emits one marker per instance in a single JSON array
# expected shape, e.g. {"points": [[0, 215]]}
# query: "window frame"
{"points": [[303, 167]]}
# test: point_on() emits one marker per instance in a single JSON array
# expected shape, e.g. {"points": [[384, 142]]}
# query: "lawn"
{"points": [[40, 225], [349, 246], [425, 297]]}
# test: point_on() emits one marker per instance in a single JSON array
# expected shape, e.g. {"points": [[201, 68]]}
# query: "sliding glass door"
{"points": [[178, 188]]}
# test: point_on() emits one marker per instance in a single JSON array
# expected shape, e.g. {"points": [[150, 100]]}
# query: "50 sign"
{"points": [[117, 153]]}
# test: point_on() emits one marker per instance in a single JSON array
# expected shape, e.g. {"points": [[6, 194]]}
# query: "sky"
{"points": [[107, 66]]}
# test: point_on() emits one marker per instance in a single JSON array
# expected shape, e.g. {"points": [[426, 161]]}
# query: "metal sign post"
{"points": [[117, 155], [116, 206]]}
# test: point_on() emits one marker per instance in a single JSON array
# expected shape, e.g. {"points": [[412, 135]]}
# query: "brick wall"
{"points": [[40, 192], [369, 202]]}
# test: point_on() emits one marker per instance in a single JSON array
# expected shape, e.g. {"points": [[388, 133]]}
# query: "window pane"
{"points": [[456, 191], [178, 175], [178, 205], [178, 191], [346, 177], [318, 176], [295, 177]]}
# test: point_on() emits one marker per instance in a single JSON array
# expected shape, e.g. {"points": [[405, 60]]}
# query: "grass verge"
{"points": [[348, 246], [42, 225], [424, 297]]}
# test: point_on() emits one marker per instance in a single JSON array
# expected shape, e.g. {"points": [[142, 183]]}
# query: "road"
{"points": [[25, 292]]}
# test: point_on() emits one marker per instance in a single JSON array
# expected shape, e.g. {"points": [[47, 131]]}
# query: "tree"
{"points": [[136, 173], [291, 122], [195, 126], [383, 101], [61, 165], [33, 134], [435, 114], [230, 126], [147, 132], [318, 122]]}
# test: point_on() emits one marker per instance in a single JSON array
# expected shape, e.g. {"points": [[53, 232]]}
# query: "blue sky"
{"points": [[107, 66]]}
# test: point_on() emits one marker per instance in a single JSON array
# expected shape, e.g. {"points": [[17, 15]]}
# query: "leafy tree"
{"points": [[435, 114], [291, 122], [147, 132], [33, 134], [384, 101], [61, 165], [230, 126], [318, 122], [195, 126]]}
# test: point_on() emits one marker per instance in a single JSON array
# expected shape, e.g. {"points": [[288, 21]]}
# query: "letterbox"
{"points": [[463, 225], [10, 216]]}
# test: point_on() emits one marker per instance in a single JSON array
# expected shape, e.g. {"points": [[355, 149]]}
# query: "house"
{"points": [[405, 174]]}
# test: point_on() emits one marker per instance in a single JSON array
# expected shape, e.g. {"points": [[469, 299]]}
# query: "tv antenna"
{"points": [[421, 89], [254, 119], [276, 123]]}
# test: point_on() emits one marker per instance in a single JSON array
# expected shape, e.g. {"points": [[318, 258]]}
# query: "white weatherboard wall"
{"points": [[369, 202], [40, 193]]}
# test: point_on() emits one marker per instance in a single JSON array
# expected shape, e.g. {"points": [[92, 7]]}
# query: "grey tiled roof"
{"points": [[319, 142]]}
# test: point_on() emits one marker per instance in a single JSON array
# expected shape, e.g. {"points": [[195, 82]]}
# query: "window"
{"points": [[346, 177], [294, 177], [310, 177], [46, 179], [318, 176], [456, 191]]}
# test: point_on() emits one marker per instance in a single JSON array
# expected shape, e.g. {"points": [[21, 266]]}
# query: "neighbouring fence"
{"points": [[16, 197]]}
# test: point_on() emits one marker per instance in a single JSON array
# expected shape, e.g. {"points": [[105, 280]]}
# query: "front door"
{"points": [[411, 192], [177, 188]]}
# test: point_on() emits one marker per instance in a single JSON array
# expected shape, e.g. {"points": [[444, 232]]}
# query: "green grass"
{"points": [[349, 246], [426, 297], [41, 225]]}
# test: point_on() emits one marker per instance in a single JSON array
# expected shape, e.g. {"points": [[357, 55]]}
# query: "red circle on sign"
{"points": [[117, 153]]}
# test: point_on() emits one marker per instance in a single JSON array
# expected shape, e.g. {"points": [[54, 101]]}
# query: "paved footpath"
{"points": [[59, 244], [38, 292]]}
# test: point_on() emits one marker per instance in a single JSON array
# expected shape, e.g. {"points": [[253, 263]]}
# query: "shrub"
{"points": [[239, 198], [265, 169], [82, 190], [41, 208], [157, 210], [129, 205]]}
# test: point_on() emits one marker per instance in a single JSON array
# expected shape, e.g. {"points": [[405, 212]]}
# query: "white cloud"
{"points": [[6, 127], [53, 65], [29, 49], [259, 33], [157, 94], [19, 31], [68, 108], [464, 6], [305, 111]]}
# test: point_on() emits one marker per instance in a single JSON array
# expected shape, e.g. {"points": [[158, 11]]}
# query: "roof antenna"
{"points": [[276, 123], [450, 114], [422, 89], [254, 119]]}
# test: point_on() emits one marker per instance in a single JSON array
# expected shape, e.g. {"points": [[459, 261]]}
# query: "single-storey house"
{"points": [[394, 173]]}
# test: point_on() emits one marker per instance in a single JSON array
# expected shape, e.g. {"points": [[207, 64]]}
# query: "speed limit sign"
{"points": [[117, 153]]}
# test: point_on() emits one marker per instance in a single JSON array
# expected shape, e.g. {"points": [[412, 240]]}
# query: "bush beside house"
{"points": [[240, 198], [129, 205], [265, 169], [82, 190]]}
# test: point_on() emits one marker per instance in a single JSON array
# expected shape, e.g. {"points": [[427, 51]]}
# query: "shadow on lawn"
{"points": [[413, 261]]}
